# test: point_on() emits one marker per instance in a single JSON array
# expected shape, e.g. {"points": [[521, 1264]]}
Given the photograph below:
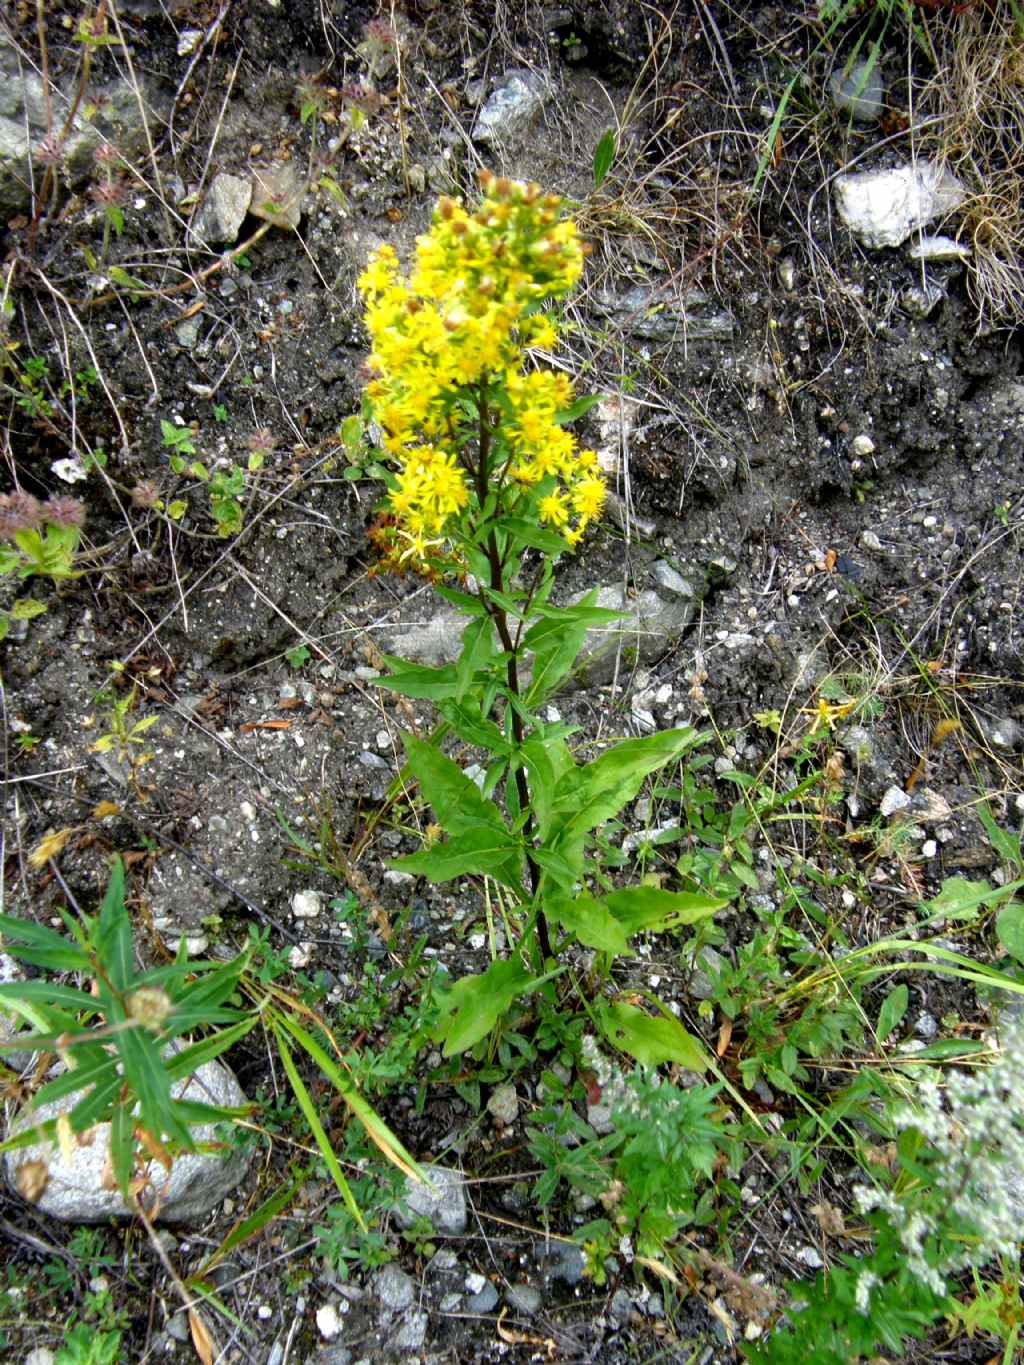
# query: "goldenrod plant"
{"points": [[489, 489]]}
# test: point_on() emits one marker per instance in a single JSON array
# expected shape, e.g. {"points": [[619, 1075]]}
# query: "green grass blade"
{"points": [[315, 1127]]}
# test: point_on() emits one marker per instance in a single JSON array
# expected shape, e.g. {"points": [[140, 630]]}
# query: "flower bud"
{"points": [[150, 1006], [446, 207], [485, 179]]}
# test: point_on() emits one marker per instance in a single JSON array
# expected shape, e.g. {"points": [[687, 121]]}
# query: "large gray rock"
{"points": [[661, 314], [442, 1201], [25, 121], [650, 626], [882, 208], [223, 209], [511, 109], [81, 1190]]}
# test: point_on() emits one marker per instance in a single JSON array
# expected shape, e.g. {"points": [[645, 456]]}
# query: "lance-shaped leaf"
{"points": [[587, 797], [490, 852], [647, 907], [456, 799]]}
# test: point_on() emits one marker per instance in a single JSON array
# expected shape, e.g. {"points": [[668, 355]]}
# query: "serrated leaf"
{"points": [[489, 852], [604, 155], [894, 1007], [590, 920], [639, 908], [456, 799], [474, 728], [585, 799], [651, 1041]]}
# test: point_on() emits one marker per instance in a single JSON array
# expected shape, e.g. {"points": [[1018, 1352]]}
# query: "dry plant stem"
{"points": [[190, 1302], [500, 619]]}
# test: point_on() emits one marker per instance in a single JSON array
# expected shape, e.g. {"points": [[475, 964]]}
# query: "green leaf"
{"points": [[122, 1144], [651, 1041], [114, 937], [247, 1228], [466, 602], [472, 1007], [646, 907], [376, 1129], [42, 946], [1007, 845], [477, 649], [474, 728], [590, 920], [578, 409], [181, 1064], [894, 1007], [26, 608], [456, 799], [316, 1127], [491, 852], [1010, 929], [556, 640], [588, 797], [529, 533], [410, 680], [582, 611], [604, 155], [146, 1075], [541, 771], [961, 899]]}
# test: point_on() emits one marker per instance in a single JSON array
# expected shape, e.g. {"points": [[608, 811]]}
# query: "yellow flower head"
{"points": [[449, 345]]}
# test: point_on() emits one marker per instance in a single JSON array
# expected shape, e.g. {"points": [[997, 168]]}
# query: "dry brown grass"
{"points": [[978, 94]]}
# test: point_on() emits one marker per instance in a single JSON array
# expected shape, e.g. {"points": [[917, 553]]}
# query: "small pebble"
{"points": [[523, 1299], [328, 1321], [894, 799]]}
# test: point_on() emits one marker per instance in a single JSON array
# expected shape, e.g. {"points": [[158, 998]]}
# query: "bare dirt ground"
{"points": [[818, 489]]}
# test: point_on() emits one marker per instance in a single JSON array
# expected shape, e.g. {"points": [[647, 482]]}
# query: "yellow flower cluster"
{"points": [[449, 382]]}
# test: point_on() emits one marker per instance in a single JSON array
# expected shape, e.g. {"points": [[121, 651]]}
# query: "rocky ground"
{"points": [[817, 452]]}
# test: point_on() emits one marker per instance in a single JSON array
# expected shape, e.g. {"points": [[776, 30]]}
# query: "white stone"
{"points": [[939, 249], [884, 207], [79, 1188], [306, 904], [328, 1321]]}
